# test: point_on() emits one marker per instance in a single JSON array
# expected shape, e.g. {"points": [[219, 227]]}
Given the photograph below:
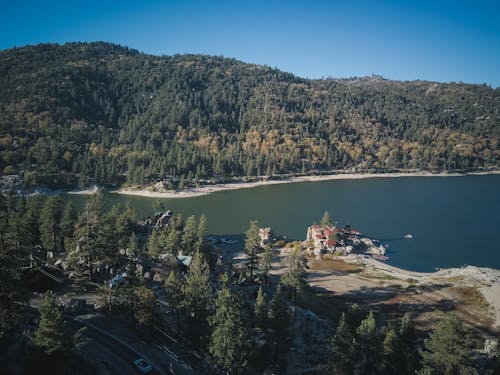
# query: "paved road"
{"points": [[118, 356]]}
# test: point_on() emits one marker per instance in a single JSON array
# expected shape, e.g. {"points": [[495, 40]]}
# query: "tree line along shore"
{"points": [[80, 114]]}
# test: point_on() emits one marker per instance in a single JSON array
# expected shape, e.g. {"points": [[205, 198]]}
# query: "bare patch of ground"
{"points": [[472, 292]]}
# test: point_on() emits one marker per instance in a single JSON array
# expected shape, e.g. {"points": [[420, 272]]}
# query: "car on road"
{"points": [[143, 366]]}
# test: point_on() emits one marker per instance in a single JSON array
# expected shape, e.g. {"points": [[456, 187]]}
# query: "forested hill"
{"points": [[85, 113]]}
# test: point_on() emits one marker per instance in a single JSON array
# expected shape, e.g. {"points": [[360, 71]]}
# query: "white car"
{"points": [[143, 366]]}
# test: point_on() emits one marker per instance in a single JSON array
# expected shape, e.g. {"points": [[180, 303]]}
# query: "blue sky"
{"points": [[431, 40]]}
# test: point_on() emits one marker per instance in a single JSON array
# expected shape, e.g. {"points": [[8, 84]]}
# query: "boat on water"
{"points": [[408, 236], [380, 257]]}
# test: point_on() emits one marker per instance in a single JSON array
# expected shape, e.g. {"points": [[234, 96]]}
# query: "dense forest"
{"points": [[98, 113]]}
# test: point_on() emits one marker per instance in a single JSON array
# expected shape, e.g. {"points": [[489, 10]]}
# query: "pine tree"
{"points": [[50, 216], [326, 221], [230, 338], [342, 346], [447, 350], [163, 240], [261, 309], [391, 352], [202, 232], [31, 222], [67, 224], [280, 321], [50, 334], [252, 237], [190, 235], [122, 226], [91, 248], [197, 294], [173, 241], [367, 346], [153, 245], [408, 358], [252, 245], [295, 276], [173, 287], [146, 312], [133, 245], [265, 261], [12, 254]]}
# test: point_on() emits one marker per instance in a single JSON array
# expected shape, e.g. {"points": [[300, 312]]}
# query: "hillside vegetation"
{"points": [[85, 113]]}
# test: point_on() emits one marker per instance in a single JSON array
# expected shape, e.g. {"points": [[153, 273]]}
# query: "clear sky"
{"points": [[406, 40]]}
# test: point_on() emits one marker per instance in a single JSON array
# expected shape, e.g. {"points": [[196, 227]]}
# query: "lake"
{"points": [[454, 220]]}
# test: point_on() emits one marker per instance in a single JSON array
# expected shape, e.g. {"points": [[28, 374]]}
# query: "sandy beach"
{"points": [[204, 190]]}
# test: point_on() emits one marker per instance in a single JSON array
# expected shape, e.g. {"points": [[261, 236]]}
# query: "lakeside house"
{"points": [[343, 241]]}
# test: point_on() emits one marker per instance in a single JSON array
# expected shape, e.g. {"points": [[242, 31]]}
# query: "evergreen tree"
{"points": [[121, 226], [230, 339], [31, 222], [50, 217], [342, 346], [153, 244], [367, 347], [391, 352], [326, 221], [252, 245], [202, 232], [197, 300], [173, 241], [146, 312], [355, 315], [261, 309], [408, 358], [50, 334], [67, 224], [280, 321], [91, 251], [12, 254], [295, 276], [163, 240], [265, 261], [447, 350], [173, 287], [133, 244], [252, 238], [190, 235]]}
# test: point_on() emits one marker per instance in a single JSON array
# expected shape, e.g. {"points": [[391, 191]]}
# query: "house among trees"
{"points": [[322, 238], [330, 238]]}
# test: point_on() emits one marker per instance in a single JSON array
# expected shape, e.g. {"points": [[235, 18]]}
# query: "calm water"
{"points": [[454, 220]]}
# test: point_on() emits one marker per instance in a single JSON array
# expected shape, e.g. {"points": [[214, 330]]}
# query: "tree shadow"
{"points": [[382, 300]]}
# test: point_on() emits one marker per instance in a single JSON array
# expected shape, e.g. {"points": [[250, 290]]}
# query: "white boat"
{"points": [[408, 236]]}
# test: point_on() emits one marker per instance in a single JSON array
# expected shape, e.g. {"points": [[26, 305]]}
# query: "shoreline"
{"points": [[208, 189], [484, 279]]}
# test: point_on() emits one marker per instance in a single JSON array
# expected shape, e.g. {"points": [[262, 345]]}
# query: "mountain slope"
{"points": [[85, 113]]}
